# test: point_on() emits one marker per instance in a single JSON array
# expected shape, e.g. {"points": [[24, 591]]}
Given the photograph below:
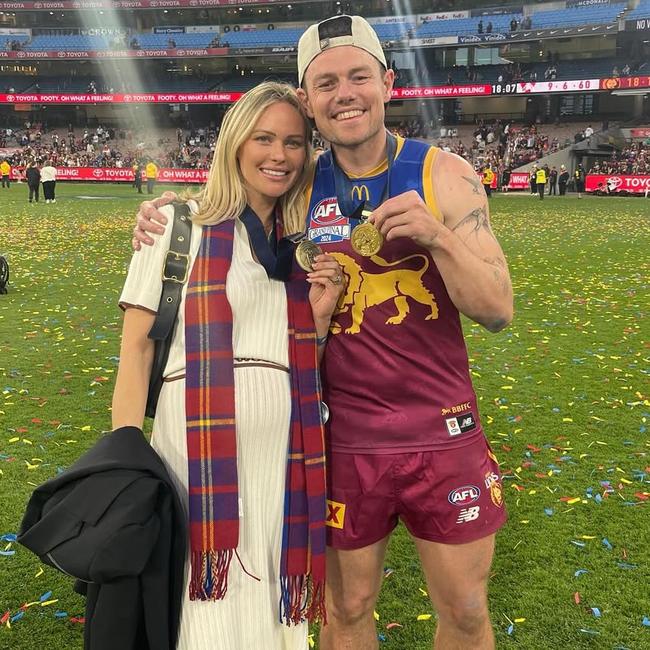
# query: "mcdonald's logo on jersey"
{"points": [[360, 193]]}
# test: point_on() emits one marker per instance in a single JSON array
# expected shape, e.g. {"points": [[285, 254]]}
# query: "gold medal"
{"points": [[306, 251], [366, 240]]}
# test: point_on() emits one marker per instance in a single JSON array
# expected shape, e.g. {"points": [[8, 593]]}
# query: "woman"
{"points": [[33, 176], [238, 315], [48, 178]]}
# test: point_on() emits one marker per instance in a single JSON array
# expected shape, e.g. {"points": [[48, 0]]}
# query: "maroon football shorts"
{"points": [[449, 496]]}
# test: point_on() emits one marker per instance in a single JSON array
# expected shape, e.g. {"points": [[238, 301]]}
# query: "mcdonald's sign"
{"points": [[360, 193]]}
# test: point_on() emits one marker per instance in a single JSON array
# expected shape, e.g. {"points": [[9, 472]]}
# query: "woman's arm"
{"points": [[136, 358]]}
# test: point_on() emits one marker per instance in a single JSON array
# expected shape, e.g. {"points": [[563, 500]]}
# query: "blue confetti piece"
{"points": [[18, 616], [8, 537], [596, 612], [511, 628], [46, 596], [548, 512], [60, 614], [645, 621], [598, 498], [625, 565], [607, 544], [381, 637], [7, 553], [580, 572]]}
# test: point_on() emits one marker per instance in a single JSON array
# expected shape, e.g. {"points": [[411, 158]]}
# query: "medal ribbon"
{"points": [[274, 253], [343, 184]]}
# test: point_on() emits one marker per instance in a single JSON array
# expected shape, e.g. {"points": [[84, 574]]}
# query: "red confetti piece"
{"points": [[78, 619], [641, 495], [5, 617], [576, 597], [390, 626], [533, 448]]}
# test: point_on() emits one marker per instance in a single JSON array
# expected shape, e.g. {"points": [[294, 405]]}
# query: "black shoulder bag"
{"points": [[174, 275], [4, 274]]}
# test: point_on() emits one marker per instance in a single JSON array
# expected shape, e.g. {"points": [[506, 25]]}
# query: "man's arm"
{"points": [[467, 253], [149, 219], [463, 247]]}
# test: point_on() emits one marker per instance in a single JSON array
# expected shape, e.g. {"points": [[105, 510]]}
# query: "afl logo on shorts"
{"points": [[464, 495]]}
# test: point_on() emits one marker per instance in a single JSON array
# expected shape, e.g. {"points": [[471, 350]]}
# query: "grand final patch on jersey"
{"points": [[327, 224]]}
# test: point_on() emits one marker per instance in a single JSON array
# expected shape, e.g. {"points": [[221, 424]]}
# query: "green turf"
{"points": [[563, 397]]}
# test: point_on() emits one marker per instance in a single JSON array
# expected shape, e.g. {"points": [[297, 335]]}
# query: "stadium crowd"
{"points": [[634, 159]]}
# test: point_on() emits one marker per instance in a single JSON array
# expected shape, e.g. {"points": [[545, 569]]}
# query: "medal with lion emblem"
{"points": [[306, 251], [366, 240]]}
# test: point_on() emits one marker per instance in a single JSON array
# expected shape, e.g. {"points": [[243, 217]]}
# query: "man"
{"points": [[137, 177], [487, 179], [404, 436], [5, 172], [580, 175], [563, 180], [552, 181], [533, 180], [540, 180], [151, 174]]}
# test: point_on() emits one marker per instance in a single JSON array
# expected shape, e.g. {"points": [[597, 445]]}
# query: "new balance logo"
{"points": [[468, 514]]}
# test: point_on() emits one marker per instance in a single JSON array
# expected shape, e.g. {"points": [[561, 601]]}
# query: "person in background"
{"points": [[533, 180], [552, 181], [540, 181], [580, 176], [33, 176], [151, 174], [487, 180], [5, 172], [563, 180], [137, 176], [48, 178]]}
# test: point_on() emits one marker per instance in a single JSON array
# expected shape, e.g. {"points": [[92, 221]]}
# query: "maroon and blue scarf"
{"points": [[212, 446]]}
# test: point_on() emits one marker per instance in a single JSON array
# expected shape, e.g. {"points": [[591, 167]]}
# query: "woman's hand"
{"points": [[327, 284]]}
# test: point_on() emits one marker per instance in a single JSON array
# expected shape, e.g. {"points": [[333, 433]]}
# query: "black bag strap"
{"points": [[175, 273]]}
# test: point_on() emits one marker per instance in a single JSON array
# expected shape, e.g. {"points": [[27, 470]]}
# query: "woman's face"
{"points": [[273, 157]]}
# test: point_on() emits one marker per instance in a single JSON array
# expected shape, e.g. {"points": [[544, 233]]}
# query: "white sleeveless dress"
{"points": [[248, 617]]}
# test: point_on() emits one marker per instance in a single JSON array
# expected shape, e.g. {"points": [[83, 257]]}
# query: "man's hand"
{"points": [[407, 215], [150, 220]]}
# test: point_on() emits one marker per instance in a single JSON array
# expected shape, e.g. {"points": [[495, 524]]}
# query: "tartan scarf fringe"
{"points": [[209, 579], [302, 598]]}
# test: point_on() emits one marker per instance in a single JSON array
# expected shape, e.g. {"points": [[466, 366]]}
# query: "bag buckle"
{"points": [[176, 267]]}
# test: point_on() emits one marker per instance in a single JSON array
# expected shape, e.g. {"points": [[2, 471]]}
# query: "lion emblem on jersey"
{"points": [[366, 289]]}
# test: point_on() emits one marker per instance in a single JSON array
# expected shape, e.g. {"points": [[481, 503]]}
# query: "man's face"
{"points": [[345, 90]]}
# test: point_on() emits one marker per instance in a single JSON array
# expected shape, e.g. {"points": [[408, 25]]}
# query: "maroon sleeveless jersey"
{"points": [[395, 371]]}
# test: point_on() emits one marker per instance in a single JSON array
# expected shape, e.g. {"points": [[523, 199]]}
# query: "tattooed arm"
{"points": [[463, 246], [466, 252]]}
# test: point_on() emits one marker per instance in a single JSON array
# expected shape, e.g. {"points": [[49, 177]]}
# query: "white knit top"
{"points": [[259, 305]]}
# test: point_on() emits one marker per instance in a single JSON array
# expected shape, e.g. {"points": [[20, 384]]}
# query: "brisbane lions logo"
{"points": [[365, 289]]}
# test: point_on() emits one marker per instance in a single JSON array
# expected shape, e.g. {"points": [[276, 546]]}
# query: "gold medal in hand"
{"points": [[366, 239], [306, 251]]}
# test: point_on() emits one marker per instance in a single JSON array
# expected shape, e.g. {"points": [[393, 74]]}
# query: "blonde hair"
{"points": [[224, 195]]}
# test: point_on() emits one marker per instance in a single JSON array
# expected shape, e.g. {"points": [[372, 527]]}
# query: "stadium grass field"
{"points": [[563, 398]]}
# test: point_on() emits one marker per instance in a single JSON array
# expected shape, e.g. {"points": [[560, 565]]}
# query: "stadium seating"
{"points": [[592, 15], [641, 11], [461, 26]]}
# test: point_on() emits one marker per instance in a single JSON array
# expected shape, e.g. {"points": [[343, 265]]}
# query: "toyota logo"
{"points": [[614, 182], [97, 173]]}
